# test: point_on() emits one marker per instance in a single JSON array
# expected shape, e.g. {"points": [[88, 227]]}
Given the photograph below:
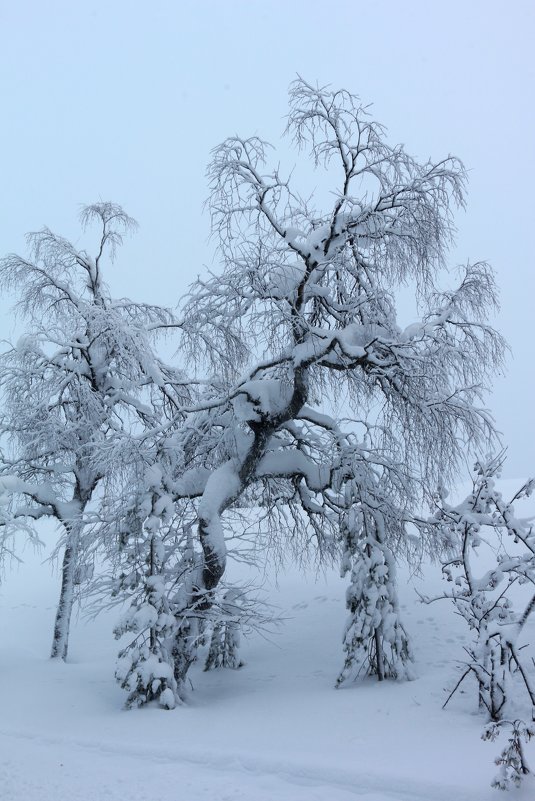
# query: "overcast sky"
{"points": [[123, 100]]}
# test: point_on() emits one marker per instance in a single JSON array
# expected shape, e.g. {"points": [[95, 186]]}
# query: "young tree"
{"points": [[304, 312], [485, 522], [150, 566], [512, 760], [375, 640], [484, 525], [145, 666], [84, 372]]}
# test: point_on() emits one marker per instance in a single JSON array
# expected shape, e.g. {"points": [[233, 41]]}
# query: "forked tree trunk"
{"points": [[225, 484]]}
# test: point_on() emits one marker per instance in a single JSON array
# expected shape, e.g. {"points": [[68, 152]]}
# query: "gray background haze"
{"points": [[123, 101]]}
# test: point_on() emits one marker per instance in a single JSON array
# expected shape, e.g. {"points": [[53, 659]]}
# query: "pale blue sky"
{"points": [[123, 100]]}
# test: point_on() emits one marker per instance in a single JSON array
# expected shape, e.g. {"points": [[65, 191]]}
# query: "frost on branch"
{"points": [[84, 373], [495, 603], [302, 313], [488, 601]]}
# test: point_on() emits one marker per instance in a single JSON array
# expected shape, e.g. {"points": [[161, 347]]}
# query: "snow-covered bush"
{"points": [[484, 521], [484, 525]]}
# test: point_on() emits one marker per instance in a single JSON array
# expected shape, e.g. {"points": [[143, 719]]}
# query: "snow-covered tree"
{"points": [[152, 563], [149, 542], [151, 566], [485, 598], [301, 316], [85, 371], [375, 640], [485, 521], [490, 567], [303, 312], [225, 639]]}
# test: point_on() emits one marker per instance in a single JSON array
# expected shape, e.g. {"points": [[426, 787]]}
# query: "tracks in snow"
{"points": [[331, 777]]}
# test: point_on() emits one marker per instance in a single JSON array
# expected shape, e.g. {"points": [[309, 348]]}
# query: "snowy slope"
{"points": [[275, 729]]}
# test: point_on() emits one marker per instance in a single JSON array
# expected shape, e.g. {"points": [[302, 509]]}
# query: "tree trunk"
{"points": [[379, 655], [225, 484], [60, 641]]}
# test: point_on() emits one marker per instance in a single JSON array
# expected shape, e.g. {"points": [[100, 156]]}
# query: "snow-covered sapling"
{"points": [[375, 640], [485, 523], [145, 667], [512, 760], [235, 610]]}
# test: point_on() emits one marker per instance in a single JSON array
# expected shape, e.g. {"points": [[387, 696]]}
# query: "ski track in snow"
{"points": [[367, 787]]}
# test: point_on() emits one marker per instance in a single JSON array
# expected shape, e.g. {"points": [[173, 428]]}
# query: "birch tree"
{"points": [[303, 311], [84, 371], [300, 317]]}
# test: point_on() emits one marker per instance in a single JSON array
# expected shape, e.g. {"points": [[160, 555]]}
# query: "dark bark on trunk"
{"points": [[379, 655], [214, 564], [214, 559], [60, 641]]}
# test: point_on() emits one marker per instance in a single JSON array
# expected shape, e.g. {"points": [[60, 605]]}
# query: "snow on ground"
{"points": [[275, 730]]}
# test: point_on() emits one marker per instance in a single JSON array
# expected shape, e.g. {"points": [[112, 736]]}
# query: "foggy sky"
{"points": [[123, 100]]}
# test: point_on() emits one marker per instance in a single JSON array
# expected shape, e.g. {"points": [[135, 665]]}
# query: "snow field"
{"points": [[275, 729]]}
